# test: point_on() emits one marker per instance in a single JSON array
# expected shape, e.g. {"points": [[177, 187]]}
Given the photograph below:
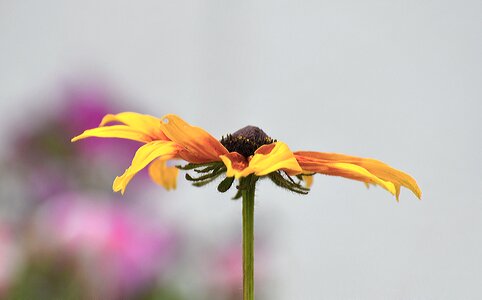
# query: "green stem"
{"points": [[248, 186]]}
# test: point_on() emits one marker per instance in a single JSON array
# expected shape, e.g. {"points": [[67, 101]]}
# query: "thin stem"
{"points": [[248, 186]]}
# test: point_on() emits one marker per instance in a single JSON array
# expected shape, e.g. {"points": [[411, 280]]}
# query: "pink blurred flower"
{"points": [[43, 155], [229, 268], [120, 251], [227, 277], [84, 107]]}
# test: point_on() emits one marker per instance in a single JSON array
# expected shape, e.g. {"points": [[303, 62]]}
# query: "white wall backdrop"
{"points": [[400, 81]]}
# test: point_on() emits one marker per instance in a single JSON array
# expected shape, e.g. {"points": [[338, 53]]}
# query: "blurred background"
{"points": [[395, 80]]}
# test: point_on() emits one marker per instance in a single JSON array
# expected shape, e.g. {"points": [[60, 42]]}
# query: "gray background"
{"points": [[395, 80]]}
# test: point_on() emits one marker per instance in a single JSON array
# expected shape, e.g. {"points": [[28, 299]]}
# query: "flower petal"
{"points": [[308, 179], [235, 164], [115, 131], [266, 159], [358, 173], [157, 149], [273, 157], [199, 146], [146, 124], [321, 162], [163, 175]]}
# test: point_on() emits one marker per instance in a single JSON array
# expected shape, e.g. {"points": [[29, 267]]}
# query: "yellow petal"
{"points": [[319, 162], [354, 172], [308, 180], [115, 131], [146, 124], [163, 150], [163, 175], [235, 164], [267, 159], [199, 146]]}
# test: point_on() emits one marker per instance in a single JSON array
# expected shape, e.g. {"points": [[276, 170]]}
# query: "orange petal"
{"points": [[146, 124], [163, 175], [323, 163], [163, 150], [235, 164], [199, 146], [115, 131], [266, 159]]}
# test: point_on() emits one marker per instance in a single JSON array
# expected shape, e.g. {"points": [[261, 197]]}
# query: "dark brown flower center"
{"points": [[246, 140]]}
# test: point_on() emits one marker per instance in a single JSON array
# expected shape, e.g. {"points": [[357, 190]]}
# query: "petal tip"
{"points": [[76, 138], [117, 186], [416, 191]]}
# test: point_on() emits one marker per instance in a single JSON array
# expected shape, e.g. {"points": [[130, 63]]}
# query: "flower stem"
{"points": [[248, 187]]}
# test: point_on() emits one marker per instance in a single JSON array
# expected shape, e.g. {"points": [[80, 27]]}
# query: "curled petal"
{"points": [[115, 131], [199, 146], [267, 159], [149, 125], [163, 150], [235, 164], [358, 173], [325, 163], [308, 179], [273, 157], [163, 175]]}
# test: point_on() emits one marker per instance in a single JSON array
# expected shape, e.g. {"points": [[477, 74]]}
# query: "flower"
{"points": [[226, 271], [239, 155], [38, 153], [119, 250]]}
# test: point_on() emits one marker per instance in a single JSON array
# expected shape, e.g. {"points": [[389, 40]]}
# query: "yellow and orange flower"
{"points": [[238, 155]]}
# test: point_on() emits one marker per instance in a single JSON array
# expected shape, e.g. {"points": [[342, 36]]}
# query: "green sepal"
{"points": [[203, 183], [225, 184], [238, 195], [208, 168], [287, 183], [191, 166], [215, 172]]}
